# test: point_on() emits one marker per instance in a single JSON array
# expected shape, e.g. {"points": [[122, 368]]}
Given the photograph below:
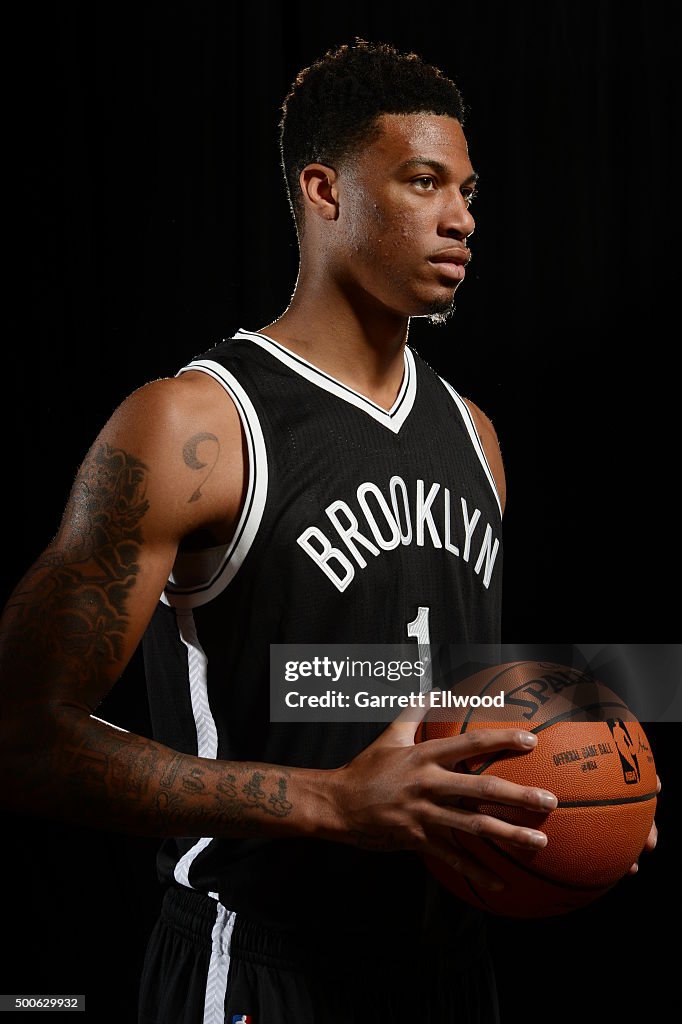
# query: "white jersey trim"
{"points": [[220, 565], [392, 418], [207, 734], [475, 439]]}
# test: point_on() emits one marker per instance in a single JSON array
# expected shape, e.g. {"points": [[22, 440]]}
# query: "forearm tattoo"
{"points": [[232, 795]]}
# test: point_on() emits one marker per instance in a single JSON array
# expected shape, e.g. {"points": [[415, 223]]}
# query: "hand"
{"points": [[398, 795], [650, 844]]}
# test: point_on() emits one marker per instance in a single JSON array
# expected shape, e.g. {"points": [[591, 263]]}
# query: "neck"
{"points": [[349, 337]]}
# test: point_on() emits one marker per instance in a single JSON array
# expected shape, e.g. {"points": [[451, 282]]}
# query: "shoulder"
{"points": [[186, 433], [484, 424], [163, 412], [491, 446], [175, 399]]}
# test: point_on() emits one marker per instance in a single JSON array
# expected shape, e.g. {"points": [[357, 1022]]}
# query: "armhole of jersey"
{"points": [[198, 577], [475, 439]]}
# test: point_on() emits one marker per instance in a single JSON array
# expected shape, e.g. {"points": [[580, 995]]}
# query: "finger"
{"points": [[658, 785], [649, 846], [484, 826], [459, 860], [652, 839], [448, 786], [450, 750]]}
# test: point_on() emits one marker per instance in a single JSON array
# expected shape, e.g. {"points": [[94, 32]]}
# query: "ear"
{"points": [[320, 189]]}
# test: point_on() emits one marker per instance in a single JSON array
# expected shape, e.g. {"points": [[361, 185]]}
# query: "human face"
{"points": [[404, 210]]}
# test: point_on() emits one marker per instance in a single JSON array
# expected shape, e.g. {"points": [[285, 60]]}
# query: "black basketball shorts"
{"points": [[206, 965]]}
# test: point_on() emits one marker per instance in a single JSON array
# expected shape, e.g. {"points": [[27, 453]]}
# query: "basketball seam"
{"points": [[507, 668], [542, 877], [615, 802]]}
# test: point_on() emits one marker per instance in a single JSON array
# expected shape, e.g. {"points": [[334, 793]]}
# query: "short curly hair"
{"points": [[331, 109]]}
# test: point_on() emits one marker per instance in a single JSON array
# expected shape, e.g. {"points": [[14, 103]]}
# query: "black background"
{"points": [[146, 219]]}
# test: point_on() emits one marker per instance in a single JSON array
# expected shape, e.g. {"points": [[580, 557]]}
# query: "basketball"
{"points": [[592, 753]]}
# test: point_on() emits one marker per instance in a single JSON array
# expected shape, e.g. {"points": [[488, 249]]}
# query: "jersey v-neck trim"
{"points": [[392, 418]]}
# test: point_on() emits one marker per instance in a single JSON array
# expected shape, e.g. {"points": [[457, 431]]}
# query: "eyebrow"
{"points": [[422, 161]]}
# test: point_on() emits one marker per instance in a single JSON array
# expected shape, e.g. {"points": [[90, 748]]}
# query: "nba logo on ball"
{"points": [[242, 1018]]}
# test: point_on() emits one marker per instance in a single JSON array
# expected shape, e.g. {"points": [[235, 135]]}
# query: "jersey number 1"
{"points": [[419, 629]]}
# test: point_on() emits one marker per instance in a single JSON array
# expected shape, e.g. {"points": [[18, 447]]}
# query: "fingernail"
{"points": [[548, 801], [538, 838], [528, 739]]}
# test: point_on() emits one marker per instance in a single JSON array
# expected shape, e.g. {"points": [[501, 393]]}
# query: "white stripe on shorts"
{"points": [[219, 966]]}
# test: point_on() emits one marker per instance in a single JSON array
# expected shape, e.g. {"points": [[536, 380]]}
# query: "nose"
{"points": [[456, 220]]}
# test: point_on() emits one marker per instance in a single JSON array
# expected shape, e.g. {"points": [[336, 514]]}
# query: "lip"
{"points": [[452, 261], [449, 268], [454, 254]]}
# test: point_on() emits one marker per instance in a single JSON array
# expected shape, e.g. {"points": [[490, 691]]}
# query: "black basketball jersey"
{"points": [[355, 518]]}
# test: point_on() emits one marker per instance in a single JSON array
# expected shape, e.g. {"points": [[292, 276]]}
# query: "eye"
{"points": [[425, 178]]}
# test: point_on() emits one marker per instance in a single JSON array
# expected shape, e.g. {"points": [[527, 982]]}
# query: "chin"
{"points": [[438, 311], [438, 319], [437, 308]]}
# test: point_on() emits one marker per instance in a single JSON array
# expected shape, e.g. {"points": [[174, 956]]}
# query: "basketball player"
{"points": [[309, 481]]}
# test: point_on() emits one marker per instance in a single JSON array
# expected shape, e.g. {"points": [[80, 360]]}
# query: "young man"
{"points": [[313, 481]]}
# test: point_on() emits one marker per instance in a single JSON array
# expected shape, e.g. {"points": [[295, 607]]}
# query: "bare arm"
{"points": [[157, 472]]}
